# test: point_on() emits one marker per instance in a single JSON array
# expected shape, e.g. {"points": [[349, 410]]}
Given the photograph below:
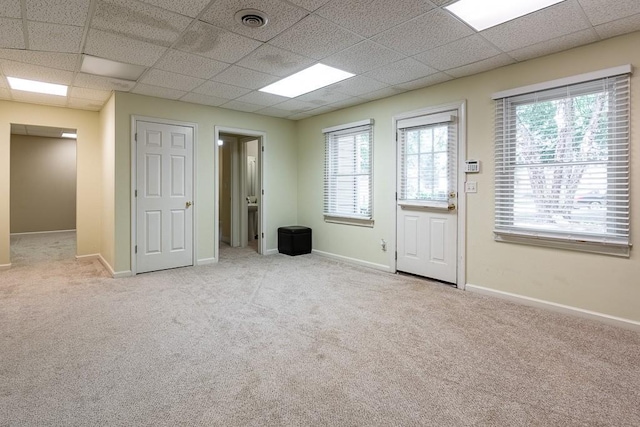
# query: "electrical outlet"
{"points": [[471, 187]]}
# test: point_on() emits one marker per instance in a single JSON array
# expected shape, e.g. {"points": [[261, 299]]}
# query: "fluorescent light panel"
{"points": [[307, 80], [109, 68], [489, 13], [37, 87]]}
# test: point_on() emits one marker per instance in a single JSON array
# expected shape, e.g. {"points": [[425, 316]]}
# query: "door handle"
{"points": [[451, 207], [188, 205]]}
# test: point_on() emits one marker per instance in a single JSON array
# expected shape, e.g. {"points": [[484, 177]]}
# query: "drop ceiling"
{"points": [[195, 51]]}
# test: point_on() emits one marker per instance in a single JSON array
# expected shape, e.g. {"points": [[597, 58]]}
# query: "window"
{"points": [[347, 173], [562, 163]]}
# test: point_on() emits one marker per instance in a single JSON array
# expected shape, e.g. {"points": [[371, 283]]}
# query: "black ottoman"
{"points": [[294, 240]]}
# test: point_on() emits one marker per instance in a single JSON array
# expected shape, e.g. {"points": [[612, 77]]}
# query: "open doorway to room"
{"points": [[42, 199], [240, 171]]}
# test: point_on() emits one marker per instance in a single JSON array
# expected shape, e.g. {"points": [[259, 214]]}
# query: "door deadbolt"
{"points": [[451, 207]]}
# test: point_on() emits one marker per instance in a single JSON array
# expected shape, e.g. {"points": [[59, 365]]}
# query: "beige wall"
{"points": [[280, 171], [108, 149], [43, 184], [599, 283], [88, 192]]}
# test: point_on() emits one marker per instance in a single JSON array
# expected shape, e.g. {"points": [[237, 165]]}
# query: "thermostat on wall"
{"points": [[472, 166]]}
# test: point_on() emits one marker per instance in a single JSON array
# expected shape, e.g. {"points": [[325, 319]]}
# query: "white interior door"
{"points": [[164, 187], [427, 219]]}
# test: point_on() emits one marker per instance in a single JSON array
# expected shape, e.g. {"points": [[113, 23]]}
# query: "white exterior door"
{"points": [[427, 220], [164, 188]]}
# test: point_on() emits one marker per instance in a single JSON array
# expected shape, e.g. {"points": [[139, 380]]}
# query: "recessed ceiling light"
{"points": [[37, 87], [489, 13], [307, 80], [109, 68], [69, 135]]}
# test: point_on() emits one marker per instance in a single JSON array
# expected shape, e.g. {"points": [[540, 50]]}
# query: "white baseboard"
{"points": [[87, 257], [271, 252], [105, 264], [561, 308], [5, 266], [354, 261], [206, 261], [41, 232], [122, 274]]}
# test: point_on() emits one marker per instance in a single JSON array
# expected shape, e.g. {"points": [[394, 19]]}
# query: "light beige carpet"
{"points": [[278, 340]]}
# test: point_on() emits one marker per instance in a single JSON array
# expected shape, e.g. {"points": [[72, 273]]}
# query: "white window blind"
{"points": [[348, 174], [427, 149], [562, 166]]}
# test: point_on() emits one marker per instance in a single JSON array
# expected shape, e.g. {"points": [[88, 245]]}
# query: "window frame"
{"points": [[330, 174], [604, 243]]}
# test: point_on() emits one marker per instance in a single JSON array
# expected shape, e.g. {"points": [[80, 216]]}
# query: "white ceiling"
{"points": [[195, 50]]}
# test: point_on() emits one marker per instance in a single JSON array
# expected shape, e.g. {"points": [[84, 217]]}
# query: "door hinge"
{"points": [[396, 195], [136, 137], [263, 192], [396, 255], [136, 193], [136, 248], [262, 235], [396, 136], [263, 149]]}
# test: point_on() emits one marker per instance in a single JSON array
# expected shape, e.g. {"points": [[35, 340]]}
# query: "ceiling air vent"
{"points": [[252, 18]]}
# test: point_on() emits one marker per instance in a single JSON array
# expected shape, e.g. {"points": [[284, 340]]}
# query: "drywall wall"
{"points": [[280, 169], [88, 191], [43, 184], [599, 283], [108, 150]]}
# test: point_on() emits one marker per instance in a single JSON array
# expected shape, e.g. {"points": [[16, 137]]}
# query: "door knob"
{"points": [[189, 205]]}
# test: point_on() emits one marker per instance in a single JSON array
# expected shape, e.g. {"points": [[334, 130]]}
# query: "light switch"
{"points": [[471, 187]]}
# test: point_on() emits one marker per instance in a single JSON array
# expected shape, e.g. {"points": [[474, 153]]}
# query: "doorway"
{"points": [[429, 211], [240, 190], [43, 187]]}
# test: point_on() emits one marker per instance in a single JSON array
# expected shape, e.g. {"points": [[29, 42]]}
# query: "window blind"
{"points": [[348, 171], [562, 163]]}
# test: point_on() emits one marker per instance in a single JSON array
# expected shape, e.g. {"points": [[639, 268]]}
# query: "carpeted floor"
{"points": [[278, 340]]}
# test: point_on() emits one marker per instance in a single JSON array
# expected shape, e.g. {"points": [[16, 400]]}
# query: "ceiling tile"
{"points": [[546, 24], [216, 43], [5, 94], [90, 94], [358, 85], [310, 5], [442, 2], [54, 37], [3, 81], [299, 116], [242, 106], [621, 26], [316, 38], [556, 45], [262, 98], [198, 98], [35, 72], [11, 35], [10, 9], [433, 79], [362, 57], [184, 7], [85, 104], [370, 17], [349, 102], [38, 98], [295, 106], [102, 83], [383, 93], [244, 77], [221, 90], [281, 16], [275, 61], [322, 110], [189, 64], [119, 48], [171, 80], [426, 32], [599, 11], [481, 66], [139, 21], [157, 91], [61, 61], [460, 52], [274, 112], [67, 12], [402, 71], [323, 96]]}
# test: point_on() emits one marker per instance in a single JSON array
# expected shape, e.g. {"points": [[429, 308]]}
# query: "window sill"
{"points": [[614, 248], [359, 222]]}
